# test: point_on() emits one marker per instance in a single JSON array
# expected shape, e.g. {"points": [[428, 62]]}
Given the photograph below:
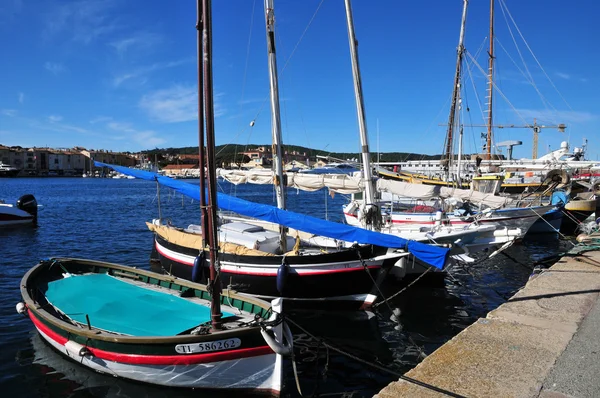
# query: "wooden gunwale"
{"points": [[256, 306]]}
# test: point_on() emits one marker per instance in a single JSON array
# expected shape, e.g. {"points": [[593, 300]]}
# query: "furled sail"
{"points": [[348, 184], [433, 255], [338, 183], [422, 191]]}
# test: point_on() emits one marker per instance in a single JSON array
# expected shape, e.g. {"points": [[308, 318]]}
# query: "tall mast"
{"points": [[456, 89], [215, 281], [360, 110], [280, 181], [490, 83], [201, 154]]}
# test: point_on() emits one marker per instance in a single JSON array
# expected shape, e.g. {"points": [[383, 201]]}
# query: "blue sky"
{"points": [[121, 75]]}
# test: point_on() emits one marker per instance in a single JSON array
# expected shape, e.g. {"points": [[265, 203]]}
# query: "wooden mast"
{"points": [[456, 91], [279, 178], [201, 153], [371, 211], [490, 83], [213, 241]]}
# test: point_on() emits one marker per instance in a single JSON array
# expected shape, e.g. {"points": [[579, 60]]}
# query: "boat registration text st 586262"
{"points": [[217, 345]]}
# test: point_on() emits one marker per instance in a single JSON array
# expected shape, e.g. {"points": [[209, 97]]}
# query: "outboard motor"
{"points": [[29, 204]]}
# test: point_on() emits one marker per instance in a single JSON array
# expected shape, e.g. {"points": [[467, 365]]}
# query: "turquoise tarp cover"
{"points": [[433, 255], [121, 307]]}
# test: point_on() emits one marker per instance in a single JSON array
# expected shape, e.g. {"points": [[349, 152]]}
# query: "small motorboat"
{"points": [[154, 328], [23, 212]]}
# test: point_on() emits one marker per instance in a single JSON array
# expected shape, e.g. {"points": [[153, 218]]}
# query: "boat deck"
{"points": [[121, 307]]}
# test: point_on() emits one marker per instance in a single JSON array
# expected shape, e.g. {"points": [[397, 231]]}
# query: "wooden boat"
{"points": [[153, 328], [577, 210], [341, 278]]}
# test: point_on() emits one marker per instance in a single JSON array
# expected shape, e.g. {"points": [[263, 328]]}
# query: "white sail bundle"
{"points": [[422, 191], [488, 199], [238, 177], [338, 183]]}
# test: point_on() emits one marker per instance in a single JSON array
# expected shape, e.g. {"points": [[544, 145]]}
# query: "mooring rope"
{"points": [[374, 365]]}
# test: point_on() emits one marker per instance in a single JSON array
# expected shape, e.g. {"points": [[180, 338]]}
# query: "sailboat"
{"points": [[342, 276], [463, 208], [155, 328]]}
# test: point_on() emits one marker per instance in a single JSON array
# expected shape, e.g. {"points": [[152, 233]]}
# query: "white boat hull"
{"points": [[11, 215], [259, 373]]}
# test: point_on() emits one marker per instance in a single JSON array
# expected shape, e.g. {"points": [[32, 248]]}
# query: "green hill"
{"points": [[230, 149]]}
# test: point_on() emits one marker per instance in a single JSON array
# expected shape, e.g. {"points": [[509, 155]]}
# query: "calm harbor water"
{"points": [[103, 219]]}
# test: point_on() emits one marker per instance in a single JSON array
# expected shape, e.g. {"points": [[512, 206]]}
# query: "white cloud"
{"points": [[100, 119], [565, 76], [9, 112], [177, 104], [21, 98], [120, 126], [172, 105], [54, 67], [137, 41], [55, 118], [83, 20], [148, 139], [145, 138], [556, 117], [140, 72]]}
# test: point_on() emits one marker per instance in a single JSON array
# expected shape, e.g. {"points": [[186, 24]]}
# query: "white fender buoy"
{"points": [[284, 347], [21, 308], [75, 349]]}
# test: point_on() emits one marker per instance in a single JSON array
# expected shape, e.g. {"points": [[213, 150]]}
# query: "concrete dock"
{"points": [[543, 342]]}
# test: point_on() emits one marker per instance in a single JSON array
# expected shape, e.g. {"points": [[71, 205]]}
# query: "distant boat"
{"points": [[22, 213], [8, 170]]}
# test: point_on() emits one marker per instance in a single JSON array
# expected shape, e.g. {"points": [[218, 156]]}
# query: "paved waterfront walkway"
{"points": [[544, 342]]}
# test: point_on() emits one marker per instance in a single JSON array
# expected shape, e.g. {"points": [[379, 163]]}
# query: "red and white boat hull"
{"points": [[259, 373]]}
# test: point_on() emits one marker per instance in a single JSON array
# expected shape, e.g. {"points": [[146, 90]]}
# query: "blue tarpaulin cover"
{"points": [[433, 255], [559, 198], [120, 307]]}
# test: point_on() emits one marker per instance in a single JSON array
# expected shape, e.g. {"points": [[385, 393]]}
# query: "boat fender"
{"points": [[21, 308], [285, 347], [282, 274], [439, 215], [198, 268], [75, 350]]}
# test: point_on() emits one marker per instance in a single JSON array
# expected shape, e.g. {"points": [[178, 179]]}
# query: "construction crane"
{"points": [[537, 128]]}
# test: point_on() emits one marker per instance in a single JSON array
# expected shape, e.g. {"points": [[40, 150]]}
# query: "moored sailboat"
{"points": [[152, 328]]}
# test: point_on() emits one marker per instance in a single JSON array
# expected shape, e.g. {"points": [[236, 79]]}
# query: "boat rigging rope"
{"points": [[362, 261], [403, 289], [503, 7], [287, 61], [528, 76], [330, 346], [557, 231], [496, 87], [395, 316]]}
